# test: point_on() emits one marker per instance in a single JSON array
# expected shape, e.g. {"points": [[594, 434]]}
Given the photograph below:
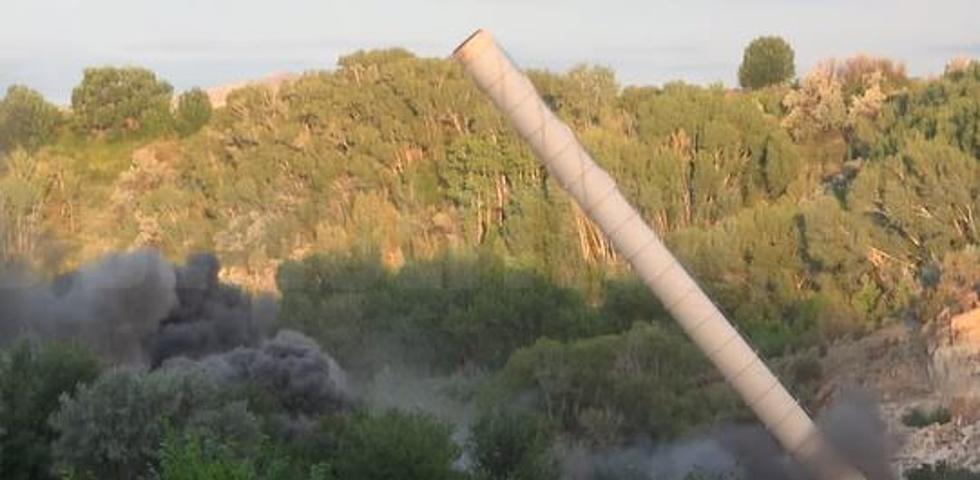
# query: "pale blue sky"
{"points": [[46, 43]]}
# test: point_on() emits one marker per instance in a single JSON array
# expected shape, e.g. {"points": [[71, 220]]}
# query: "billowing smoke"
{"points": [[209, 316], [111, 305], [135, 307], [854, 425], [292, 367]]}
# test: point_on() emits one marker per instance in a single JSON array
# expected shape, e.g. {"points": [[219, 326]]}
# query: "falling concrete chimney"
{"points": [[597, 194]]}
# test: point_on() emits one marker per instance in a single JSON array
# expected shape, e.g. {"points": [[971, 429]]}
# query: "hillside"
{"points": [[402, 227]]}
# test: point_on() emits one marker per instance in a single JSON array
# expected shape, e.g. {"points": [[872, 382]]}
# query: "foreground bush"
{"points": [[513, 446], [113, 428], [32, 377], [405, 446], [198, 457], [27, 120]]}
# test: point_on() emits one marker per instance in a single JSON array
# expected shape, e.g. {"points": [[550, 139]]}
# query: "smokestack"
{"points": [[597, 194]]}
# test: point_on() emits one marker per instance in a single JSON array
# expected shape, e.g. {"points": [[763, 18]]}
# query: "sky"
{"points": [[47, 43]]}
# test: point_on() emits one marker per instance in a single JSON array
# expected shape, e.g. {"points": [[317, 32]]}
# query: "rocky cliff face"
{"points": [[925, 370]]}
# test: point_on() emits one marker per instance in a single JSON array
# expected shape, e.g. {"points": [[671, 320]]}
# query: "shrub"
{"points": [[855, 71], [202, 457], [112, 429], [193, 458], [919, 418], [407, 446], [513, 446], [32, 377], [444, 313], [649, 381], [27, 120], [193, 111], [817, 106]]}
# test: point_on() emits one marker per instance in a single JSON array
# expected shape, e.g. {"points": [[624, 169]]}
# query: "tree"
{"points": [[27, 120], [854, 73], [446, 313], [767, 61], [817, 106], [513, 446], [121, 101], [407, 446], [112, 428], [193, 458], [649, 381], [924, 198], [193, 111], [32, 377]]}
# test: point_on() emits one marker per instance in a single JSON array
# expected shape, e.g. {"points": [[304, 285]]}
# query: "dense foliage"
{"points": [[408, 230], [112, 428], [766, 61], [27, 120], [119, 101], [193, 111], [513, 446], [32, 378], [396, 445]]}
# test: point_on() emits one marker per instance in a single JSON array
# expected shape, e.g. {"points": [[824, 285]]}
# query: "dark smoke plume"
{"points": [[134, 308], [209, 316], [854, 426], [291, 366], [111, 305]]}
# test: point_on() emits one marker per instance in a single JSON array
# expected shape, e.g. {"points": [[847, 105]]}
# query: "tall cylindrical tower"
{"points": [[597, 194]]}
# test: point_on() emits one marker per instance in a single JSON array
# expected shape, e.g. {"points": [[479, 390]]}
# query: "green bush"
{"points": [[919, 418], [395, 445], [32, 377], [512, 446], [443, 314], [192, 458], [650, 381], [193, 111], [201, 457], [113, 428], [27, 120]]}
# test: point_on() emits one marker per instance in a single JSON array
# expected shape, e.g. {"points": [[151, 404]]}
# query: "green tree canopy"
{"points": [[32, 378], [193, 111], [407, 446], [513, 446], [113, 428], [121, 101], [767, 61], [27, 120]]}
